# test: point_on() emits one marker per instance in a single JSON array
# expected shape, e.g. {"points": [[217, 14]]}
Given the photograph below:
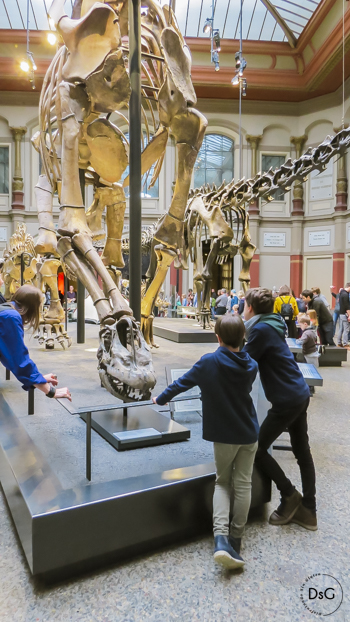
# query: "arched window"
{"points": [[214, 163]]}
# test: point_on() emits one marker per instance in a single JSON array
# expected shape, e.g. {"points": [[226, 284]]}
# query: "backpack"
{"points": [[286, 310]]}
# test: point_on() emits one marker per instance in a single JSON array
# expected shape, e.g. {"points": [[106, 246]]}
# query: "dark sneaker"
{"points": [[305, 518], [235, 543], [286, 509], [225, 555]]}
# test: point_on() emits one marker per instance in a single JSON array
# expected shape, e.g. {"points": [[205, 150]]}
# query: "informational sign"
{"points": [[321, 184], [274, 239], [319, 238], [3, 234], [188, 405]]}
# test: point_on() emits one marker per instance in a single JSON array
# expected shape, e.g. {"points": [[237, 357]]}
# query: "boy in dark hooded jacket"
{"points": [[289, 395], [225, 379]]}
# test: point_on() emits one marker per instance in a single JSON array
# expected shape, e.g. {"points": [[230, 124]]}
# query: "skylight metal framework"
{"points": [[263, 20]]}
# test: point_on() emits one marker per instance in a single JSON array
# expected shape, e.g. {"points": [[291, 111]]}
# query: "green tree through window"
{"points": [[214, 163], [4, 170]]}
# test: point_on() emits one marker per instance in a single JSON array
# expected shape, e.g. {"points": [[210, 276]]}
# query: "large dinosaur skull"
{"points": [[125, 361]]}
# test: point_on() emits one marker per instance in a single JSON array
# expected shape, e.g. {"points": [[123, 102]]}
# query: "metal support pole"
{"points": [[135, 220], [22, 268], [31, 401], [8, 374], [80, 313], [65, 303], [88, 446]]}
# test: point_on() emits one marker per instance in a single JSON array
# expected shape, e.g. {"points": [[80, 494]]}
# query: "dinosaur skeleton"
{"points": [[86, 83]]}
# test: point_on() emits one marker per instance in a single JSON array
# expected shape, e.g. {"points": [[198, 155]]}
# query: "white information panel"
{"points": [[3, 234], [319, 238], [321, 184], [188, 405], [274, 239]]}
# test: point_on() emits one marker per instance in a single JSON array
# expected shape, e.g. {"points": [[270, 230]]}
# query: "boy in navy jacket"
{"points": [[225, 379], [289, 395]]}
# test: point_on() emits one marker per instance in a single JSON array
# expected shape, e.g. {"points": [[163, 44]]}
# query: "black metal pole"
{"points": [[80, 313], [8, 374], [81, 288], [31, 401], [135, 219], [65, 303], [88, 446], [22, 269]]}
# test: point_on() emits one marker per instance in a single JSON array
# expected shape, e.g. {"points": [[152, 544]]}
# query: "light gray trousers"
{"points": [[234, 467], [343, 334]]}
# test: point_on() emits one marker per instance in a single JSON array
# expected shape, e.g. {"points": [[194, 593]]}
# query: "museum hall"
{"points": [[175, 278]]}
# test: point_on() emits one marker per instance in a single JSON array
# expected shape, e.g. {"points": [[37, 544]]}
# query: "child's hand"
{"points": [[154, 400]]}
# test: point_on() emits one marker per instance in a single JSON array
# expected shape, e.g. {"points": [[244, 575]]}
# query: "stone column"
{"points": [[254, 144], [298, 188], [17, 181], [342, 186]]}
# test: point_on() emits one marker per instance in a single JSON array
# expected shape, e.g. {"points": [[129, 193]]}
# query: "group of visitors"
{"points": [[225, 378]]}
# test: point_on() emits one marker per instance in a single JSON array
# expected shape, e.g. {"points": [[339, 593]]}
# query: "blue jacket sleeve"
{"points": [[14, 354], [187, 381], [254, 345]]}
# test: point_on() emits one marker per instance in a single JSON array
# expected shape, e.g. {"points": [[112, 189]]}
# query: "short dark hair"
{"points": [[230, 329], [307, 293], [260, 299], [28, 301]]}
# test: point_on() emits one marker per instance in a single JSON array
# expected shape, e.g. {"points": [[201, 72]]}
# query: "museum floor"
{"points": [[181, 582]]}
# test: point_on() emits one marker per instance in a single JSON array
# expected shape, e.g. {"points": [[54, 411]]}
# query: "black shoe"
{"points": [[286, 509], [225, 555], [235, 543]]}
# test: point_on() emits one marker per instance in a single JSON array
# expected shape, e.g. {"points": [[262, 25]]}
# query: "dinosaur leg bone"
{"points": [[165, 258], [84, 244], [115, 201], [47, 241], [84, 273]]}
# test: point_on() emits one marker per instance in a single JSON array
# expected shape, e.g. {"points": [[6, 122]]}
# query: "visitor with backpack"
{"points": [[286, 306]]}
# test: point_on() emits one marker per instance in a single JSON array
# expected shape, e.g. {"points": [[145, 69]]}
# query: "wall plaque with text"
{"points": [[321, 184], [274, 239], [319, 238]]}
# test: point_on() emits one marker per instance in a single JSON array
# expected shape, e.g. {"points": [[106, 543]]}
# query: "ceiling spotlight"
{"points": [[51, 37], [207, 26], [24, 66], [238, 60], [235, 81], [215, 60], [244, 87], [217, 40]]}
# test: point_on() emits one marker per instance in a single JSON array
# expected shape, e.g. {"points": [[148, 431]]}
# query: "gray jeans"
{"points": [[343, 334], [234, 467]]}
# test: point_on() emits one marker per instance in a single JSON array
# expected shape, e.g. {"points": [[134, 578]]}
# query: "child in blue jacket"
{"points": [[225, 379]]}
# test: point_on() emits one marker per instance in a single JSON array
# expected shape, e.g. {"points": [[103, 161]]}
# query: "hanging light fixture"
{"points": [[207, 28], [28, 65], [52, 38], [215, 42]]}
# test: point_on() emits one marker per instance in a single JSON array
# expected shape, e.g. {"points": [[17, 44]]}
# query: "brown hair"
{"points": [[316, 290], [284, 290], [27, 301], [230, 329], [312, 315], [304, 319], [260, 299]]}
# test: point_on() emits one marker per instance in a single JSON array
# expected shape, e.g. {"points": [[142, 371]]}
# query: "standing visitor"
{"points": [[336, 308], [344, 312], [324, 316], [225, 378], [286, 306], [221, 303], [24, 310], [289, 395]]}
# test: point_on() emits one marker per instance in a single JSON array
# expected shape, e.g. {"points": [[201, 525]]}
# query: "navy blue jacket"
{"points": [[280, 375], [225, 379], [13, 352]]}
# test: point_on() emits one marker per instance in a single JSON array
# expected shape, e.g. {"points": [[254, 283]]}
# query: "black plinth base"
{"points": [[182, 331], [141, 427]]}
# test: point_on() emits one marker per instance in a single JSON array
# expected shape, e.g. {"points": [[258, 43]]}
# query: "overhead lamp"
{"points": [[217, 40], [24, 66], [51, 37], [215, 60], [244, 87], [235, 80], [207, 26]]}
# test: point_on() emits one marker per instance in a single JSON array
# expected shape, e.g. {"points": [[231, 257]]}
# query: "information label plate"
{"points": [[128, 436]]}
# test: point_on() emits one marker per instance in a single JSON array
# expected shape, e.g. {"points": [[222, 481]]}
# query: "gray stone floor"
{"points": [[181, 582]]}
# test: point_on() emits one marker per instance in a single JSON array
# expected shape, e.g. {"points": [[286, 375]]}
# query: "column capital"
{"points": [[298, 142], [18, 132], [253, 140]]}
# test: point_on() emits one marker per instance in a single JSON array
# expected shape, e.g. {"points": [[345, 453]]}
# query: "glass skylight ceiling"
{"points": [[258, 23]]}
